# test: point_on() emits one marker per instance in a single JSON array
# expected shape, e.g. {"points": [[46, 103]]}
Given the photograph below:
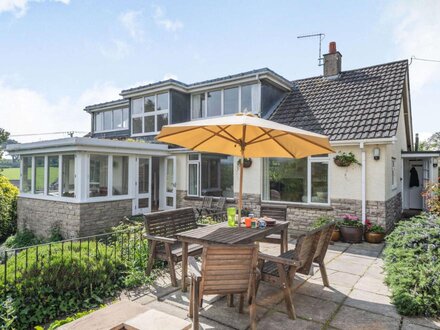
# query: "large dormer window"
{"points": [[149, 113], [226, 101], [111, 120]]}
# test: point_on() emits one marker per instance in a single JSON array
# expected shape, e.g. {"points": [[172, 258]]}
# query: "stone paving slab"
{"points": [[108, 317], [347, 266], [315, 289], [373, 302], [420, 323], [339, 278], [279, 321], [310, 308], [352, 318], [372, 284]]}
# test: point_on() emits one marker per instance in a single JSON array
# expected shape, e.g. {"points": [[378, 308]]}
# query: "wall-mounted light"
{"points": [[435, 162], [376, 153]]}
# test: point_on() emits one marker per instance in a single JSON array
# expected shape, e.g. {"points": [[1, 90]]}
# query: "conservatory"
{"points": [[86, 185]]}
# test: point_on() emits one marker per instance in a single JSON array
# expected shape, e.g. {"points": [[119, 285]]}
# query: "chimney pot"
{"points": [[332, 47]]}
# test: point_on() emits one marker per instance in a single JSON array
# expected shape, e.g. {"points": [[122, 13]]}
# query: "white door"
{"points": [[415, 192], [170, 183], [142, 203]]}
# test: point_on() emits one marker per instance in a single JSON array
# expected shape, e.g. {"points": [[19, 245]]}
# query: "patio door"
{"points": [[142, 203], [170, 183]]}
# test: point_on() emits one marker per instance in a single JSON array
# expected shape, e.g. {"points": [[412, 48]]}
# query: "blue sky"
{"points": [[58, 56]]}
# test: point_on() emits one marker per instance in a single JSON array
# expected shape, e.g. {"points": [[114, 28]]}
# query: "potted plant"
{"points": [[344, 159], [374, 233], [247, 162], [351, 229], [323, 220]]}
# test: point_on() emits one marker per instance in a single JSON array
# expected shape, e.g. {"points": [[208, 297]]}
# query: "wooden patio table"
{"points": [[222, 234]]}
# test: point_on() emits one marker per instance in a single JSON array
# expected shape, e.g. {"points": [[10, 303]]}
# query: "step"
{"points": [[155, 320]]}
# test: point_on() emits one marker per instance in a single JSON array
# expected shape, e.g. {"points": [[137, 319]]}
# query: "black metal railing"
{"points": [[127, 245]]}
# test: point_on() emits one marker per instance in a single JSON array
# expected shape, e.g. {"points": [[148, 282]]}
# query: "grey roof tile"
{"points": [[361, 103]]}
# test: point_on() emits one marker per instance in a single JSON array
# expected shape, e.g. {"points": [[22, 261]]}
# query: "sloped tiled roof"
{"points": [[359, 104]]}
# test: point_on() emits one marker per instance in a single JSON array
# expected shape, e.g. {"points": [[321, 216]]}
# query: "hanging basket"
{"points": [[341, 163], [247, 162]]}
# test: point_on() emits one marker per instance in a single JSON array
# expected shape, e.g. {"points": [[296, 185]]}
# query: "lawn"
{"points": [[11, 173]]}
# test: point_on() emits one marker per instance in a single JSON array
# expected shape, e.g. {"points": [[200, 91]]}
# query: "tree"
{"points": [[432, 143], [3, 138]]}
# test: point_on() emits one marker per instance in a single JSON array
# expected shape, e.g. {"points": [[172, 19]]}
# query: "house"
{"points": [[85, 185]]}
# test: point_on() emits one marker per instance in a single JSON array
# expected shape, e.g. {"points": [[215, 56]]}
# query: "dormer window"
{"points": [[149, 113], [226, 101], [111, 120]]}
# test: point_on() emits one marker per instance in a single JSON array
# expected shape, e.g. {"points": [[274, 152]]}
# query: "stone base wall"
{"points": [[40, 216], [73, 219], [301, 217]]}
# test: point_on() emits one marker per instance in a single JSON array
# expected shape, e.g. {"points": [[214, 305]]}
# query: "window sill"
{"points": [[300, 205]]}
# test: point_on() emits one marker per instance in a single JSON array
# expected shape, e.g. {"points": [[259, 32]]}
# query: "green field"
{"points": [[12, 173]]}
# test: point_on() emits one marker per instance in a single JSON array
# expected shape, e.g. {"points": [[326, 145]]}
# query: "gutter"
{"points": [[390, 140]]}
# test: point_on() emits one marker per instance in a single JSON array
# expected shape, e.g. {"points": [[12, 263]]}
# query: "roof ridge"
{"points": [[358, 69]]}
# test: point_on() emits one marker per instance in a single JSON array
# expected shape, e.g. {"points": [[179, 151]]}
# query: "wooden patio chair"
{"points": [[206, 205], [282, 269], [161, 228], [321, 250], [226, 270], [277, 212]]}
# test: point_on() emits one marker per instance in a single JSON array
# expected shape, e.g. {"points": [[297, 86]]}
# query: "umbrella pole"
{"points": [[240, 193]]}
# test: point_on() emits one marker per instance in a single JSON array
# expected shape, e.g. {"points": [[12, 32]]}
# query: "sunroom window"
{"points": [[210, 175], [150, 113], [43, 174], [98, 185], [296, 180]]}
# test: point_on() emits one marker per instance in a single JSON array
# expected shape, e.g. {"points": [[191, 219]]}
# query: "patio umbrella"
{"points": [[245, 135]]}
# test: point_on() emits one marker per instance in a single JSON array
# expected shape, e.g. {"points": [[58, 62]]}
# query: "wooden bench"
{"points": [[161, 228], [310, 247], [277, 212]]}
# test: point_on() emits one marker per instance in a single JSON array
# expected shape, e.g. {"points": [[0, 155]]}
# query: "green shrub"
{"points": [[412, 265], [8, 208], [21, 239], [323, 220], [77, 278]]}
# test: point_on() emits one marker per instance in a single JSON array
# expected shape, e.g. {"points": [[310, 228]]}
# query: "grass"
{"points": [[11, 173], [14, 174]]}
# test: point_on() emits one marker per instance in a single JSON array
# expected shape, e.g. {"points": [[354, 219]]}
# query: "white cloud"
{"points": [[165, 22], [416, 29], [117, 50], [131, 21], [20, 7], [169, 76], [27, 111]]}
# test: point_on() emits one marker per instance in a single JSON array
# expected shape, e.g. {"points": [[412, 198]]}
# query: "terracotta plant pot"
{"points": [[375, 238], [336, 235], [352, 234]]}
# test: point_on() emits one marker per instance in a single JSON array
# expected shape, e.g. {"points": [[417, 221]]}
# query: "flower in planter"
{"points": [[350, 220]]}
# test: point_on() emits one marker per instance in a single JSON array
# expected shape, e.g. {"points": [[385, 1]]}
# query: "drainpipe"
{"points": [[363, 183]]}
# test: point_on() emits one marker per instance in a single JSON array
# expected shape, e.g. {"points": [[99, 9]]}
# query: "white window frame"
{"points": [[154, 113], [310, 160], [95, 130], [45, 195], [393, 173], [196, 162], [222, 90]]}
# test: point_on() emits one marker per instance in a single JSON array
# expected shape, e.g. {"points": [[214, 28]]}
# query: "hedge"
{"points": [[8, 207], [412, 265]]}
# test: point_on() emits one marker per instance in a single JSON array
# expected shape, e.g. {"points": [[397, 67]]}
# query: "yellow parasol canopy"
{"points": [[245, 135]]}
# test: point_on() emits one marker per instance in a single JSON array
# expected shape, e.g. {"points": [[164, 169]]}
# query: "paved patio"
{"points": [[357, 299]]}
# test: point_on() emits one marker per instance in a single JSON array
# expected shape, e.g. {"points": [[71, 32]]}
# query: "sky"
{"points": [[57, 56]]}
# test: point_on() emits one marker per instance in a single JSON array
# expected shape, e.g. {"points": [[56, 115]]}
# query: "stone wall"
{"points": [[73, 219], [302, 216], [40, 216]]}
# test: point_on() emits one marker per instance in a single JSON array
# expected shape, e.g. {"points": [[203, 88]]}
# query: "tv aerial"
{"points": [[321, 37]]}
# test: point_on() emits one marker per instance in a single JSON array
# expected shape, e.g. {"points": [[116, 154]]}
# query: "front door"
{"points": [[142, 202], [170, 183], [415, 191]]}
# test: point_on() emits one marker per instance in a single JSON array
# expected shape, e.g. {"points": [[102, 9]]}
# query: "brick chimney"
{"points": [[332, 61]]}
